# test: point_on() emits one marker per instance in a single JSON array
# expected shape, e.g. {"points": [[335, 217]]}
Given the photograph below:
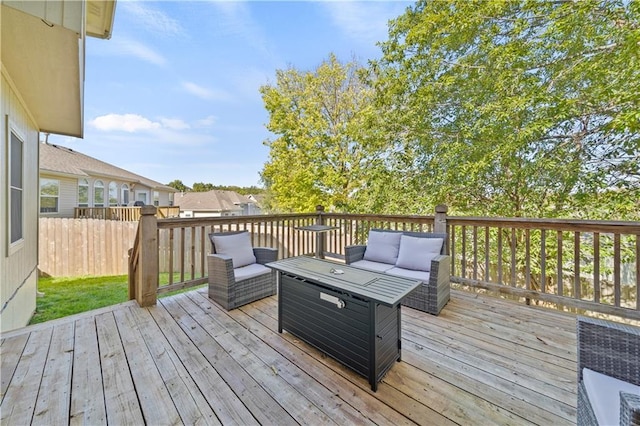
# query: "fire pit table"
{"points": [[351, 314]]}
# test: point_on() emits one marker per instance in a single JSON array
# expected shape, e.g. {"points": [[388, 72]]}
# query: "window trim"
{"points": [[95, 192], [124, 188], [88, 186], [113, 184], [11, 128], [57, 197]]}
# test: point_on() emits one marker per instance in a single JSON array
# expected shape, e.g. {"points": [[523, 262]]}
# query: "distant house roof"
{"points": [[62, 160], [214, 200]]}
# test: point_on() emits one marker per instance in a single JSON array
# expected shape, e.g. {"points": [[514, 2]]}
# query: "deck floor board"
{"points": [[188, 361]]}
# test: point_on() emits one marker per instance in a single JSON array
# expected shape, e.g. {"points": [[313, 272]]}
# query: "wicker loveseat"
{"points": [[608, 373], [237, 274], [416, 255]]}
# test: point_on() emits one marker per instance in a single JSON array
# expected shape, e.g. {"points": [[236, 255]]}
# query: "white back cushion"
{"points": [[236, 246], [382, 247], [417, 253], [604, 395]]}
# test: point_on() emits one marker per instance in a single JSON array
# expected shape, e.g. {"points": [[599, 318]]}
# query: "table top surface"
{"points": [[316, 228], [384, 289]]}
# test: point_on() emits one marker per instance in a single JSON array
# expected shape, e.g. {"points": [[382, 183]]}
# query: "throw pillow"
{"points": [[382, 247], [417, 253], [237, 246]]}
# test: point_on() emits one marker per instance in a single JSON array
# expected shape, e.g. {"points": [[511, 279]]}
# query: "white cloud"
{"points": [[207, 121], [124, 122], [204, 93], [174, 123], [151, 19], [136, 49]]}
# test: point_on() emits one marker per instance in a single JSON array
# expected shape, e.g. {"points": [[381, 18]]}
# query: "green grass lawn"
{"points": [[68, 296]]}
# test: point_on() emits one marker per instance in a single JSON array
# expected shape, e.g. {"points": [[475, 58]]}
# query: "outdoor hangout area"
{"points": [[326, 318]]}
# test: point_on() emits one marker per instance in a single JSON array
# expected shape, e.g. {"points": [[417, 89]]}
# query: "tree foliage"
{"points": [[325, 150], [177, 184], [516, 108]]}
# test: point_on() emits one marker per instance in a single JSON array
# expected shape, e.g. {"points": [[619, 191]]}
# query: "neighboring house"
{"points": [[215, 203], [70, 179], [42, 66]]}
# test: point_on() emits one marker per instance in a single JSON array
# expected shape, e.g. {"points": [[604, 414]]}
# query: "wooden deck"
{"points": [[186, 361]]}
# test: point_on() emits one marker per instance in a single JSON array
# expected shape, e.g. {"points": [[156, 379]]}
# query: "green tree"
{"points": [[177, 184], [202, 187], [325, 150], [516, 107]]}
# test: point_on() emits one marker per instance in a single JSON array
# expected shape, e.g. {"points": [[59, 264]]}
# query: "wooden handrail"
{"points": [[577, 264], [122, 213]]}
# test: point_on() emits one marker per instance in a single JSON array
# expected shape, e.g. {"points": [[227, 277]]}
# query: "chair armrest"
{"points": [[265, 254], [609, 348], [629, 409], [354, 253], [440, 269], [220, 268]]}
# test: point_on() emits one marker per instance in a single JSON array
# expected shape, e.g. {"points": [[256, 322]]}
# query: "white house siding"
{"points": [[18, 265]]}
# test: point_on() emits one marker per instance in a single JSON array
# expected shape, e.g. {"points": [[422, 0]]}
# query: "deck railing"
{"points": [[575, 264], [122, 213]]}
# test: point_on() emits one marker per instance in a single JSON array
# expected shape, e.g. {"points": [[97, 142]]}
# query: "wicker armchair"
{"points": [[612, 349], [431, 296], [233, 287]]}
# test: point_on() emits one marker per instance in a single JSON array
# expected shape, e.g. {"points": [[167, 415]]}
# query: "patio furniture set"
{"points": [[352, 311]]}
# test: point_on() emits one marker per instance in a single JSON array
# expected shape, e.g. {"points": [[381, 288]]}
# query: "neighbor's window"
{"points": [[156, 198], [113, 194], [171, 198], [83, 193], [98, 194], [49, 193], [125, 194], [16, 206]]}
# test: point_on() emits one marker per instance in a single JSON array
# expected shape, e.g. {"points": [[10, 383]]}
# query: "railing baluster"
{"points": [[486, 254], [475, 252], [616, 269], [513, 257], [527, 257], [543, 260], [500, 255], [596, 267], [577, 291], [560, 277]]}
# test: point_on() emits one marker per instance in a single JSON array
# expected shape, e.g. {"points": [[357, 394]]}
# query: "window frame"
{"points": [[57, 196], [124, 194], [11, 130], [82, 182], [112, 186], [95, 193]]}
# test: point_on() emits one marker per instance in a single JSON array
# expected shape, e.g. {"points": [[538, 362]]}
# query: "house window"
{"points": [[156, 198], [98, 194], [171, 198], [83, 193], [113, 194], [16, 205], [125, 194], [49, 193]]}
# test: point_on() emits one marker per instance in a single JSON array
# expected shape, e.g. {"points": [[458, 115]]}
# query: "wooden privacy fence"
{"points": [[78, 247]]}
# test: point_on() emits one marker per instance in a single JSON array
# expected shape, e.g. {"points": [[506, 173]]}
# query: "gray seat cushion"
{"points": [[250, 271], [371, 266], [409, 273]]}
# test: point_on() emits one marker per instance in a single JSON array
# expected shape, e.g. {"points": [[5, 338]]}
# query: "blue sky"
{"points": [[174, 93]]}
